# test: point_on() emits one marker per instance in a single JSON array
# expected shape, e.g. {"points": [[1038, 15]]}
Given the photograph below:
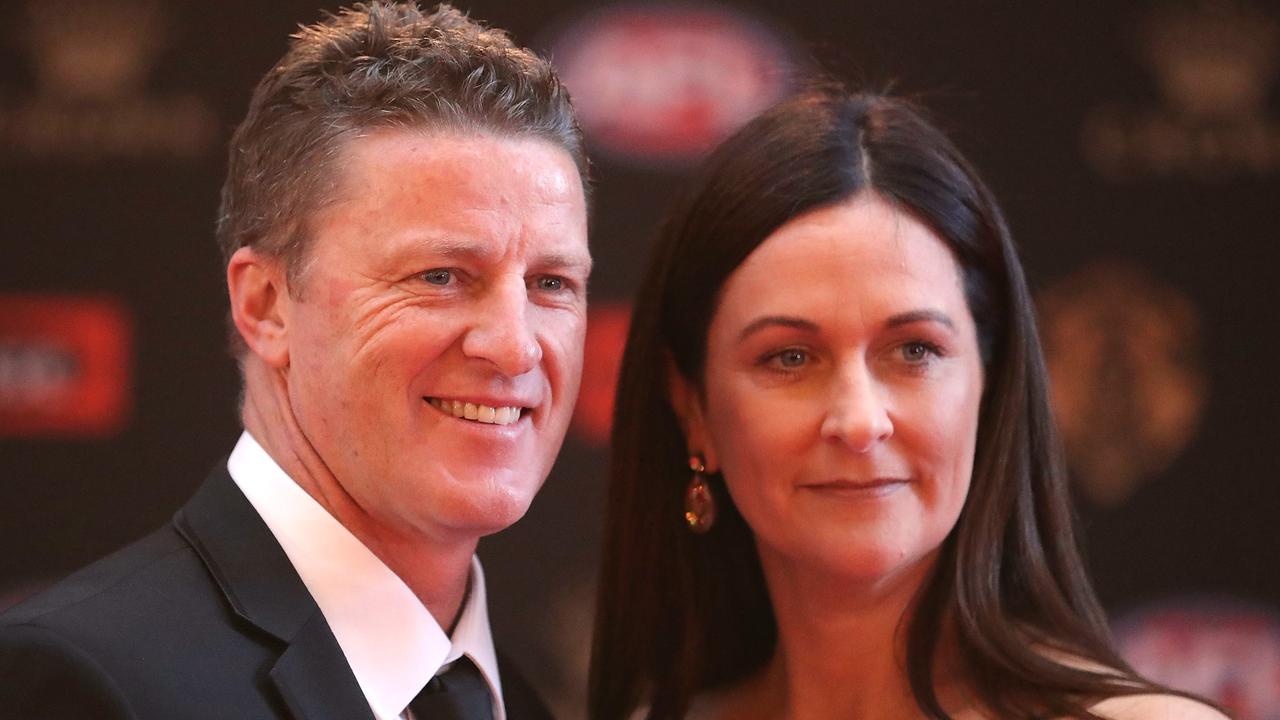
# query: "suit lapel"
{"points": [[262, 587], [310, 683], [521, 700]]}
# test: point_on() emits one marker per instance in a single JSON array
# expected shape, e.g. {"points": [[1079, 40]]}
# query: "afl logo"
{"points": [[1225, 650], [663, 83], [65, 366], [1127, 384]]}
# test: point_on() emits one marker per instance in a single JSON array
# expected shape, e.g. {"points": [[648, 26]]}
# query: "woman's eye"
{"points": [[792, 358], [437, 276], [918, 352]]}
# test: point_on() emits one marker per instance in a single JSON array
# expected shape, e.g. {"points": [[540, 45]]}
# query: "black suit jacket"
{"points": [[205, 618]]}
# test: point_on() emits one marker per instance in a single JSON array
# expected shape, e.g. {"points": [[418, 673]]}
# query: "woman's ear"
{"points": [[687, 403], [259, 305]]}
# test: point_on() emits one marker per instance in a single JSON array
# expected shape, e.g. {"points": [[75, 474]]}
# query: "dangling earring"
{"points": [[699, 504]]}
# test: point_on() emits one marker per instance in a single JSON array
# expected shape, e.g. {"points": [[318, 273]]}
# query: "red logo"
{"points": [[666, 82], [64, 366], [1225, 650], [607, 326]]}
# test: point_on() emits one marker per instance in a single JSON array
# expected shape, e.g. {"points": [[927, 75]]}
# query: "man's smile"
{"points": [[501, 415]]}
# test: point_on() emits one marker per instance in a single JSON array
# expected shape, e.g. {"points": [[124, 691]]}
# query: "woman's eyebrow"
{"points": [[761, 323], [916, 316], [906, 318]]}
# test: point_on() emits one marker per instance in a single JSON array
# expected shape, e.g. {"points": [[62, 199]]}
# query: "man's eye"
{"points": [[549, 283], [437, 276]]}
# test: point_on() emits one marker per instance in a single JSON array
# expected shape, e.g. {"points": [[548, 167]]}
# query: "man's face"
{"points": [[435, 341]]}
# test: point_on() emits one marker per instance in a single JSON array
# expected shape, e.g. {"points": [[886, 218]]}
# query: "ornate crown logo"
{"points": [[94, 50], [90, 60], [1214, 60], [1127, 383]]}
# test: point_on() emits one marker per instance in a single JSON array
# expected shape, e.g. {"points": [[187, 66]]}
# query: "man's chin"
{"points": [[489, 515]]}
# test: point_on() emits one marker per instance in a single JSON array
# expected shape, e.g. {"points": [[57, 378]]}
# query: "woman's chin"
{"points": [[862, 566]]}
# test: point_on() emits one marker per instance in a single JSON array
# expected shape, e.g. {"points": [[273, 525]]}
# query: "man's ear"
{"points": [[687, 403], [260, 304]]}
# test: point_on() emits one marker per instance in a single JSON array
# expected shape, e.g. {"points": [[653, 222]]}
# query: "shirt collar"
{"points": [[392, 643]]}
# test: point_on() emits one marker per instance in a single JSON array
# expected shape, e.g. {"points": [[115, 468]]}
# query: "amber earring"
{"points": [[699, 504]]}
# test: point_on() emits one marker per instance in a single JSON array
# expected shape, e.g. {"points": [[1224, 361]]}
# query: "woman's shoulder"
{"points": [[1138, 706], [1155, 706]]}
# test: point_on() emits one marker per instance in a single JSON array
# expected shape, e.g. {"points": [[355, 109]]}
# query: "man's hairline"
{"points": [[296, 268]]}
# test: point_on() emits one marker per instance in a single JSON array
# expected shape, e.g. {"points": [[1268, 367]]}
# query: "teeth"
{"points": [[479, 413]]}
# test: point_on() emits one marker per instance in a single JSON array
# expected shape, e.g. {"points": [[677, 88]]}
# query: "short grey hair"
{"points": [[375, 65]]}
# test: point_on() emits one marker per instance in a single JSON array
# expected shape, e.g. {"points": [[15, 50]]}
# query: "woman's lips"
{"points": [[877, 487]]}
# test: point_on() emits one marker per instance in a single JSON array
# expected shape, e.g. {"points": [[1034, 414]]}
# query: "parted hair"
{"points": [[375, 65], [679, 614]]}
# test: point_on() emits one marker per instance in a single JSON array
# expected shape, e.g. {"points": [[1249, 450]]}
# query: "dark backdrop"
{"points": [[1135, 146]]}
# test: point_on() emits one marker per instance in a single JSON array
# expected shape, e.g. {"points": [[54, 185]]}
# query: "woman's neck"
{"points": [[841, 649]]}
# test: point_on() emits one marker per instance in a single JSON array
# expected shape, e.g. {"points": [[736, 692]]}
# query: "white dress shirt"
{"points": [[392, 643]]}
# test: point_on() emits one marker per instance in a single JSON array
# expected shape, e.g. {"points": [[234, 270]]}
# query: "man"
{"points": [[404, 226]]}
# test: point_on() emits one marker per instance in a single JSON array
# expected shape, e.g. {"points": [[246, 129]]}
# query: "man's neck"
{"points": [[436, 569]]}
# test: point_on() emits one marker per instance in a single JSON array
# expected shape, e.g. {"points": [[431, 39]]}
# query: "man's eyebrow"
{"points": [[766, 321], [915, 316], [566, 261], [453, 248]]}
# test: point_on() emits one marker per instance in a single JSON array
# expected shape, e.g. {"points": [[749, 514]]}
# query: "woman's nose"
{"points": [[857, 415]]}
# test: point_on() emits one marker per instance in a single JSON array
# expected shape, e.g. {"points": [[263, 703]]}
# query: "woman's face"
{"points": [[843, 381]]}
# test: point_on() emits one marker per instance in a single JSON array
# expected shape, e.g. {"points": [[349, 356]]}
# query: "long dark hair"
{"points": [[680, 613]]}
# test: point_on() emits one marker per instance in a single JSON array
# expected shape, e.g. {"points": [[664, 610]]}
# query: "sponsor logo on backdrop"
{"points": [[1215, 64], [65, 366], [1128, 385], [90, 61], [1224, 649], [607, 325], [662, 83]]}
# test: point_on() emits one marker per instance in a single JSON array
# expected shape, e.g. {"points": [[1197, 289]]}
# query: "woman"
{"points": [[848, 502]]}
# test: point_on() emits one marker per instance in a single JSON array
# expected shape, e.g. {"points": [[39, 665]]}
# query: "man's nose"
{"points": [[502, 332], [857, 415]]}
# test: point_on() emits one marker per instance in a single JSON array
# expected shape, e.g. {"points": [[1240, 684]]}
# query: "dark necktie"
{"points": [[460, 693]]}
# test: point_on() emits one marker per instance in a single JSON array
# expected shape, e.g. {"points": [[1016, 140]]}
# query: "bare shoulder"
{"points": [[1155, 707], [1148, 706]]}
